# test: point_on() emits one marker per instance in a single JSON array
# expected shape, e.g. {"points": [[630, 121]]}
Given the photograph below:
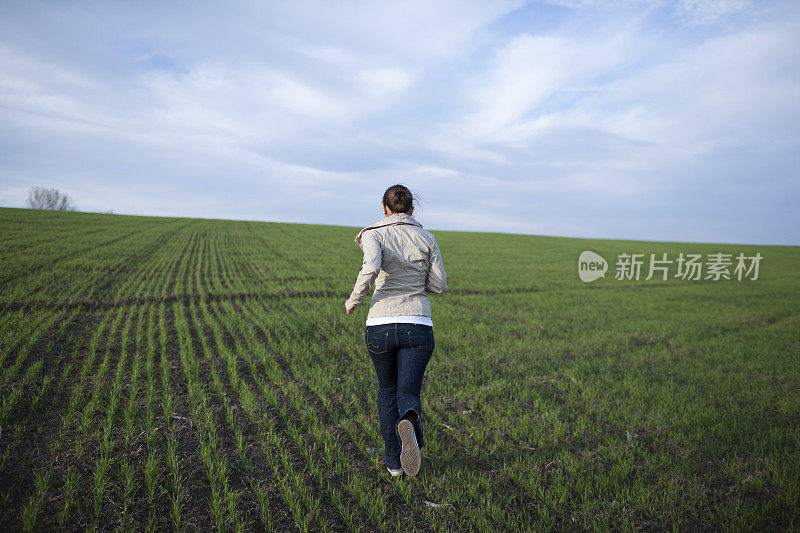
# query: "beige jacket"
{"points": [[404, 261]]}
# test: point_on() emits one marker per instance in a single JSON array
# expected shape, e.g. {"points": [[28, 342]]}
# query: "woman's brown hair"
{"points": [[398, 198]]}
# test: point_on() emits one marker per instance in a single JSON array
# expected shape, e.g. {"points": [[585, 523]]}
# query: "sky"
{"points": [[647, 120]]}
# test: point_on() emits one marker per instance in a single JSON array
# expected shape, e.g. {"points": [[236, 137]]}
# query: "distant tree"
{"points": [[45, 198]]}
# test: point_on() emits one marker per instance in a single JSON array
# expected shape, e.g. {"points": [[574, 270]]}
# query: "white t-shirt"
{"points": [[414, 319]]}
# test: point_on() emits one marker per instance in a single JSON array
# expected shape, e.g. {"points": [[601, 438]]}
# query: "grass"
{"points": [[182, 374]]}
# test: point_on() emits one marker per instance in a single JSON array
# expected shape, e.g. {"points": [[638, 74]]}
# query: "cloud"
{"points": [[599, 119], [707, 11]]}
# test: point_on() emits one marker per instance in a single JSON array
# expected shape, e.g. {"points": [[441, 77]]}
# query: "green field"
{"points": [[190, 374]]}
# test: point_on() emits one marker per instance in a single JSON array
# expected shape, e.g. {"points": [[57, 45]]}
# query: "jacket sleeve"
{"points": [[369, 268], [436, 282]]}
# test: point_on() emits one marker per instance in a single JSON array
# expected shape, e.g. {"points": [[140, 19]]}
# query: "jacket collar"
{"points": [[397, 218]]}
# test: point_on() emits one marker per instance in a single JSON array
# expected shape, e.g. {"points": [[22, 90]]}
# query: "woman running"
{"points": [[404, 261]]}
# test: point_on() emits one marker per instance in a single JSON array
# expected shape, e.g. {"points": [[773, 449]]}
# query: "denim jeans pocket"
{"points": [[420, 338], [377, 340]]}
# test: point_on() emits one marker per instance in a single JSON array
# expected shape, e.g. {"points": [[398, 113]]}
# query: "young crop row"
{"points": [[325, 467]]}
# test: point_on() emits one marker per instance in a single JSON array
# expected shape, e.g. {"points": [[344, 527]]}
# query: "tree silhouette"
{"points": [[46, 198]]}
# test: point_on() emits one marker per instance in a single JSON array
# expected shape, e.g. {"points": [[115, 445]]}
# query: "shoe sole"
{"points": [[409, 456]]}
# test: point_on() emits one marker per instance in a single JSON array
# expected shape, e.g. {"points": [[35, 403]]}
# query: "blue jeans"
{"points": [[400, 353]]}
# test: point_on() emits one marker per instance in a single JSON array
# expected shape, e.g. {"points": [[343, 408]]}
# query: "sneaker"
{"points": [[395, 473], [410, 457]]}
